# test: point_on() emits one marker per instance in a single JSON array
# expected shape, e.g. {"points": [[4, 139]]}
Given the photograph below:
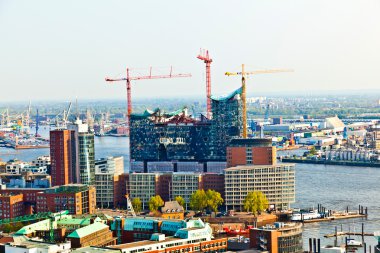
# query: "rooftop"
{"points": [[143, 243], [259, 142], [69, 188], [94, 250], [241, 167], [87, 230], [227, 97]]}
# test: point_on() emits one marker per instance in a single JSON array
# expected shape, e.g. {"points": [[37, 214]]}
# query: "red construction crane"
{"points": [[204, 56], [129, 78]]}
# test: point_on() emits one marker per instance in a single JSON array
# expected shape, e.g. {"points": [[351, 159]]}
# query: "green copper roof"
{"points": [[87, 230], [82, 222], [227, 97]]}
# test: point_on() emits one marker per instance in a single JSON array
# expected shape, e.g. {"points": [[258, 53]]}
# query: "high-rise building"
{"points": [[61, 157], [251, 151], [227, 122], [107, 172], [83, 153]]}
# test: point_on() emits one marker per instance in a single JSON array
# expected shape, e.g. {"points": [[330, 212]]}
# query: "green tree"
{"points": [[255, 201], [7, 228], [214, 200], [313, 151], [155, 202], [180, 200], [137, 205], [198, 200]]}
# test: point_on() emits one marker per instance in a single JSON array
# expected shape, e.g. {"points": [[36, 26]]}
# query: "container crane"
{"points": [[243, 75], [129, 78], [204, 56]]}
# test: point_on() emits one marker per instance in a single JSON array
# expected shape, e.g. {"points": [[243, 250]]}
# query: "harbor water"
{"points": [[335, 187]]}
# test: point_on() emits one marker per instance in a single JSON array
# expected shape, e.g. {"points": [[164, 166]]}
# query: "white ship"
{"points": [[313, 214]]}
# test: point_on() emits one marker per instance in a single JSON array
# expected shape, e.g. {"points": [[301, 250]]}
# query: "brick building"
{"points": [[76, 198], [250, 151], [61, 158], [11, 206], [96, 234], [213, 181]]}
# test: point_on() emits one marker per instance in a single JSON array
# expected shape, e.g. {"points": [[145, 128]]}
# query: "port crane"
{"points": [[129, 78], [243, 75], [205, 57]]}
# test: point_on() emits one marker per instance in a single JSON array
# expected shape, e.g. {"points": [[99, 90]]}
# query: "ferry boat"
{"points": [[301, 216]]}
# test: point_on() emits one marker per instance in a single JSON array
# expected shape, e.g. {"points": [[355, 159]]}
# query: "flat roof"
{"points": [[143, 243], [240, 167], [93, 250]]}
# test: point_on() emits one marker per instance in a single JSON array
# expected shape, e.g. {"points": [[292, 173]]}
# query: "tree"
{"points": [[255, 201], [198, 200], [180, 200], [214, 200], [313, 151], [155, 202], [137, 205]]}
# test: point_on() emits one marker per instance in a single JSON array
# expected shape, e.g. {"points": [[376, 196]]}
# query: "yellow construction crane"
{"points": [[243, 75]]}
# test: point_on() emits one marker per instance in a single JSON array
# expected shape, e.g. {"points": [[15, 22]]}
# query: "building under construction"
{"points": [[176, 136]]}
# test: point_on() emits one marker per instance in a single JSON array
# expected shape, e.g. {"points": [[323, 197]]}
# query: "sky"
{"points": [[62, 50]]}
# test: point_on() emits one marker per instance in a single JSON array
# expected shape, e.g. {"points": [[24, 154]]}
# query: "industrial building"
{"points": [[176, 136]]}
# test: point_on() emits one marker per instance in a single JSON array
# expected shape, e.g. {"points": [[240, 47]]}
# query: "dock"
{"points": [[340, 217], [347, 233]]}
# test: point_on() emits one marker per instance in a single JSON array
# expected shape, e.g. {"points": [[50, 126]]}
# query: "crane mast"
{"points": [[243, 75], [205, 57]]}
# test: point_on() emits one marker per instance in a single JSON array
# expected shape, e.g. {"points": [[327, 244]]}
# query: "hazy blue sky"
{"points": [[63, 49]]}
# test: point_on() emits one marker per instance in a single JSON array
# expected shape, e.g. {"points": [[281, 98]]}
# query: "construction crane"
{"points": [[129, 78], [243, 75], [37, 124], [204, 56], [130, 206]]}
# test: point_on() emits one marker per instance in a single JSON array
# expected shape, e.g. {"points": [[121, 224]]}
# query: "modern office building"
{"points": [[278, 238], [277, 182], [184, 184], [143, 186], [83, 153], [107, 175], [251, 151]]}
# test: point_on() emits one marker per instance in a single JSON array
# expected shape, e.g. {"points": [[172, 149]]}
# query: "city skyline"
{"points": [[330, 45]]}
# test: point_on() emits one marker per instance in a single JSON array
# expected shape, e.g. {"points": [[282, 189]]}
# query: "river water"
{"points": [[335, 187]]}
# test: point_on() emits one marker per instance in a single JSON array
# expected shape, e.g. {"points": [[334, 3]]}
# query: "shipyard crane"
{"points": [[129, 78], [204, 56], [243, 75]]}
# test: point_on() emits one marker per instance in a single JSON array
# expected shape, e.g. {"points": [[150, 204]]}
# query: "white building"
{"points": [[277, 182], [143, 186], [41, 161], [30, 246], [184, 184], [107, 171]]}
